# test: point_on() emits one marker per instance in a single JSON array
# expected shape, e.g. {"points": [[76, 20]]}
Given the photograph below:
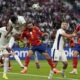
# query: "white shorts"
{"points": [[58, 55]]}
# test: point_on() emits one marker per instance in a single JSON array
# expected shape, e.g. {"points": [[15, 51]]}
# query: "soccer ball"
{"points": [[35, 6]]}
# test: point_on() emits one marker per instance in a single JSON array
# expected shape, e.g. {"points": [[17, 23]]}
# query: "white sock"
{"points": [[11, 42], [36, 58], [63, 70], [50, 74], [5, 65], [18, 60]]}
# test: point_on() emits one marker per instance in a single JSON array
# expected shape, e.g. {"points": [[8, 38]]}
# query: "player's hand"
{"points": [[74, 34]]}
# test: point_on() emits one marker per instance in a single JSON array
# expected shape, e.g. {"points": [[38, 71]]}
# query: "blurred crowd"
{"points": [[47, 14]]}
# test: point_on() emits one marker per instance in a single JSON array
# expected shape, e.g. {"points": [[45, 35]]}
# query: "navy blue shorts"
{"points": [[77, 48], [41, 48]]}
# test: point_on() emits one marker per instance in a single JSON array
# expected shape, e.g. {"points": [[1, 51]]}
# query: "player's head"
{"points": [[14, 19], [64, 25], [29, 24]]}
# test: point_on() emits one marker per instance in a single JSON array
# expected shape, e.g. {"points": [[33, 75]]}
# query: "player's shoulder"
{"points": [[60, 30]]}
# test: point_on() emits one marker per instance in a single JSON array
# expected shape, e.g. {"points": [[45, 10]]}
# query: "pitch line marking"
{"points": [[40, 76]]}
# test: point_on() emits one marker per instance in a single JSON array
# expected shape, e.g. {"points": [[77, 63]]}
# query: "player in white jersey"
{"points": [[57, 51], [3, 50], [15, 24]]}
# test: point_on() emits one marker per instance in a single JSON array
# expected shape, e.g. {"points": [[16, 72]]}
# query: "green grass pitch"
{"points": [[39, 74]]}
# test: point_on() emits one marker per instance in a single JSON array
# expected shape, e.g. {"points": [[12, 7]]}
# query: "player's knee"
{"points": [[30, 53], [75, 53], [46, 55]]}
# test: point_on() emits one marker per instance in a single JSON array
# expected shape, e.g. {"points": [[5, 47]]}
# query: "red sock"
{"points": [[51, 63], [27, 60], [75, 62]]}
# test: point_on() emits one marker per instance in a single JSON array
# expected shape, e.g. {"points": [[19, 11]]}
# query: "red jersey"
{"points": [[32, 35]]}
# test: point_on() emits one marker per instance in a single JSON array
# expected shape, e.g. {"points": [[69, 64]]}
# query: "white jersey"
{"points": [[3, 40], [59, 40], [17, 27]]}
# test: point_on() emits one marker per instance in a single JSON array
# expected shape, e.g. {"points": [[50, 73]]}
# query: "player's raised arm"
{"points": [[69, 35], [64, 26]]}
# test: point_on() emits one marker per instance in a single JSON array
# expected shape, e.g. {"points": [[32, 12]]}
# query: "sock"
{"points": [[18, 60], [50, 74], [27, 60], [63, 70], [36, 58], [11, 42], [5, 66], [75, 62], [52, 65]]}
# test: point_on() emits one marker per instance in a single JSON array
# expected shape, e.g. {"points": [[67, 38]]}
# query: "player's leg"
{"points": [[5, 56], [51, 71], [10, 45], [51, 63], [17, 59], [65, 63], [42, 49], [5, 68], [55, 58], [75, 62], [36, 60], [27, 61]]}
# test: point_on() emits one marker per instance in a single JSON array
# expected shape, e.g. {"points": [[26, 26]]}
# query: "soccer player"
{"points": [[36, 60], [15, 26], [24, 43], [57, 51], [4, 52], [33, 34], [76, 52]]}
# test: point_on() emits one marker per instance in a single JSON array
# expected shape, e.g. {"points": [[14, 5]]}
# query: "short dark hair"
{"points": [[14, 19]]}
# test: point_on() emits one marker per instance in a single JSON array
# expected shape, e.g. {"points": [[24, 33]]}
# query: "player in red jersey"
{"points": [[33, 34], [76, 52]]}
